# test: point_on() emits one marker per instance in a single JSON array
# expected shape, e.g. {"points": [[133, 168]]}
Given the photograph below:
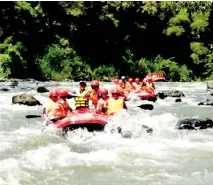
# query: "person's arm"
{"points": [[153, 85], [99, 108]]}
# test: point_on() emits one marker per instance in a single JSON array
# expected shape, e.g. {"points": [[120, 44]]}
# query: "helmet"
{"points": [[115, 80], [130, 80], [53, 93], [123, 77], [137, 80], [82, 83], [63, 93], [104, 91], [115, 91], [95, 83], [120, 82]]}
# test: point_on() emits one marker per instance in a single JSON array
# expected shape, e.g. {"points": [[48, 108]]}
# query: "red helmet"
{"points": [[104, 91], [120, 82], [130, 80], [115, 80], [115, 91], [95, 83], [63, 93], [137, 80], [53, 93]]}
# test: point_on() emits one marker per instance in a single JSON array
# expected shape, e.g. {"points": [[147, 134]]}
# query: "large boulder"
{"points": [[209, 85], [194, 124], [42, 90], [25, 99], [206, 102], [164, 94]]}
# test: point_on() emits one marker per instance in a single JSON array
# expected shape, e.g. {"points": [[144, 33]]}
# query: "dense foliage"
{"points": [[85, 40]]}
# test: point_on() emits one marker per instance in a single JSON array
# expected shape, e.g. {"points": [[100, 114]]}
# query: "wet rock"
{"points": [[14, 84], [206, 102], [148, 129], [146, 106], [209, 85], [153, 99], [211, 93], [194, 124], [106, 79], [4, 89], [165, 94], [128, 134], [178, 100], [42, 90], [25, 99]]}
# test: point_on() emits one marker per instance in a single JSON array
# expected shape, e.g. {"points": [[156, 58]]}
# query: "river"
{"points": [[166, 157]]}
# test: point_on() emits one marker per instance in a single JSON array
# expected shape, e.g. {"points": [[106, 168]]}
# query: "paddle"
{"points": [[146, 106], [33, 116]]}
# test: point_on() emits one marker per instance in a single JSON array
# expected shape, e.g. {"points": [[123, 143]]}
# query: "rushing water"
{"points": [[166, 157]]}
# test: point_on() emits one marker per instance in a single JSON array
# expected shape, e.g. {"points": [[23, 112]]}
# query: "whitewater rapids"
{"points": [[166, 157]]}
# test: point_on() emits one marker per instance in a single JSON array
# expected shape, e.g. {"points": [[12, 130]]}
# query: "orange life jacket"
{"points": [[94, 98], [144, 88], [115, 105], [55, 110], [66, 107]]}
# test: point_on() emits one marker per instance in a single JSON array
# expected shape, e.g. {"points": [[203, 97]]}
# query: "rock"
{"points": [[148, 129], [209, 85], [165, 94], [146, 106], [25, 99], [14, 83], [194, 124], [211, 93], [106, 79], [206, 102], [42, 90], [128, 134], [4, 89], [178, 100]]}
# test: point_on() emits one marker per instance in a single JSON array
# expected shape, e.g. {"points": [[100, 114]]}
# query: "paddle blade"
{"points": [[146, 106], [32, 116]]}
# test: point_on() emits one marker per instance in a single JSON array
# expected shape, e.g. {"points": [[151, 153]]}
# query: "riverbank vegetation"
{"points": [[87, 40]]}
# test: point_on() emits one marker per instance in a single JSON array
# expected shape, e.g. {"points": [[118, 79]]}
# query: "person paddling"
{"points": [[95, 94], [55, 109], [102, 103], [114, 103], [82, 91], [63, 94]]}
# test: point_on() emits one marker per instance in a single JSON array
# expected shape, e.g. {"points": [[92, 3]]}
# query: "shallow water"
{"points": [[167, 157]]}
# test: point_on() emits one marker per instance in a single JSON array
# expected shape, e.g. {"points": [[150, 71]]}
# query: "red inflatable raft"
{"points": [[156, 76], [147, 96], [82, 119]]}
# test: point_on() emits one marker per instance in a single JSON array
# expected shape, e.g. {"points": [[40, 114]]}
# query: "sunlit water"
{"points": [[166, 157]]}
